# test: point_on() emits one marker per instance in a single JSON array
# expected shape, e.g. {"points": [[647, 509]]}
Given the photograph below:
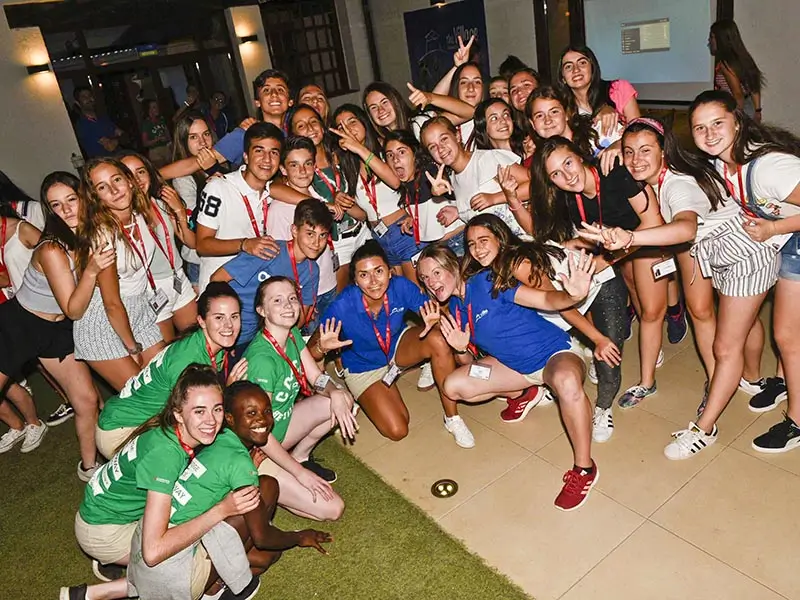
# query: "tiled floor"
{"points": [[720, 525]]}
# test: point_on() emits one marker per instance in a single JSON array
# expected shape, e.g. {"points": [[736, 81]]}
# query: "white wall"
{"points": [[37, 133], [251, 58], [769, 32]]}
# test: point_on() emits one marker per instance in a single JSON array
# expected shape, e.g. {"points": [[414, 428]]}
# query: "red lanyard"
{"points": [[471, 346], [384, 343], [742, 199], [370, 188], [468, 143], [213, 359], [661, 177], [169, 252], [264, 208], [415, 214], [300, 375], [290, 248], [3, 227], [141, 254], [333, 188], [186, 448], [579, 199]]}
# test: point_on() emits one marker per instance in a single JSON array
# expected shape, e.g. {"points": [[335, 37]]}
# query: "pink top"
{"points": [[621, 92]]}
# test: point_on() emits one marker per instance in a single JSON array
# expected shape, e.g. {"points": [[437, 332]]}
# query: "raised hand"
{"points": [[461, 55], [329, 336], [206, 158], [344, 200], [577, 283], [608, 119], [418, 97], [447, 216], [430, 313], [337, 210], [262, 247], [453, 334], [172, 199], [482, 201], [439, 184], [347, 141], [238, 372], [246, 123], [508, 183], [612, 238]]}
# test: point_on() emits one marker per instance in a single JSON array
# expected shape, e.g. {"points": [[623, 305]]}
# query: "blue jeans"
{"points": [[456, 244], [790, 259], [399, 247]]}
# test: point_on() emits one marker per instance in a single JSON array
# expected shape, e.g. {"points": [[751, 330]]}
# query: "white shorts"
{"points": [[345, 247], [358, 383], [537, 377], [176, 301]]}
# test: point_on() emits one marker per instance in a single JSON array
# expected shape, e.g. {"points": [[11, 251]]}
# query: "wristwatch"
{"points": [[137, 349]]}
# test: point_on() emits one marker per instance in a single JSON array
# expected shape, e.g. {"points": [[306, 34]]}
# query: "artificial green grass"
{"points": [[384, 547]]}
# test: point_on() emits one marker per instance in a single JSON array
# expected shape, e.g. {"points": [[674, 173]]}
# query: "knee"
{"points": [[395, 431], [701, 313], [653, 314], [437, 345], [569, 389], [787, 339], [726, 350], [332, 510], [453, 387]]}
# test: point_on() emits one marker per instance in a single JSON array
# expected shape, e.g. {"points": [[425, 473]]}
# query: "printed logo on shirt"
{"points": [[397, 309], [181, 495], [162, 480], [481, 314], [263, 276]]}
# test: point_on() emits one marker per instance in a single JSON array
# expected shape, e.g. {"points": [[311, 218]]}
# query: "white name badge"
{"points": [[380, 229], [415, 259], [322, 382], [177, 284], [606, 274], [480, 371], [158, 302], [391, 375], [336, 263], [664, 268]]}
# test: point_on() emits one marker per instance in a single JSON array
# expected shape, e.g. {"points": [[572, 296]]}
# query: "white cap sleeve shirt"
{"points": [[130, 269], [223, 210], [479, 176], [387, 200], [430, 230], [774, 178]]}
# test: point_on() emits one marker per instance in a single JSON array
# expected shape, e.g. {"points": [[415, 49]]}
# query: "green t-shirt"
{"points": [[266, 368], [217, 469], [146, 393], [322, 188], [117, 492], [154, 131]]}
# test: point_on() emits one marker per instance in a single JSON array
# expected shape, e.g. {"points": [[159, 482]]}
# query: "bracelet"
{"points": [[137, 349], [319, 349], [759, 109], [369, 158], [515, 209], [629, 242], [241, 244]]}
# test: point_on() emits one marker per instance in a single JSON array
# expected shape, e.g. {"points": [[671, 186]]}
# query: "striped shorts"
{"points": [[736, 264]]}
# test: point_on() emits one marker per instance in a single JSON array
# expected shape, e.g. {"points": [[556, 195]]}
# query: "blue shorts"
{"points": [[399, 247], [790, 259], [192, 272], [456, 244]]}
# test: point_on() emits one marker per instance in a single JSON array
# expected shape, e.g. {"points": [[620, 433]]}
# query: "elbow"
{"points": [[152, 558]]}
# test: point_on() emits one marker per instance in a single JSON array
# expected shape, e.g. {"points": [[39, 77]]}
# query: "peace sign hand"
{"points": [[507, 181], [418, 97], [346, 140], [462, 54], [329, 336], [439, 186], [612, 238], [430, 314]]}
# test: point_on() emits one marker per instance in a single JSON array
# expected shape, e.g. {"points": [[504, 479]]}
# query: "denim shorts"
{"points": [[790, 259], [399, 247], [192, 272], [456, 244]]}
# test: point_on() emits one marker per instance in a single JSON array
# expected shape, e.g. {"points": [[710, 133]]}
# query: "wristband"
{"points": [[241, 244], [515, 209], [629, 243], [319, 349], [369, 158], [137, 349]]}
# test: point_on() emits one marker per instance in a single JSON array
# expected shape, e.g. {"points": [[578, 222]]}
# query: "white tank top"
{"points": [[16, 257]]}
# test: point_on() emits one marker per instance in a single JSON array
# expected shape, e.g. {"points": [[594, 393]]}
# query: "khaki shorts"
{"points": [[537, 377], [201, 569], [109, 544], [268, 467], [108, 441], [358, 383]]}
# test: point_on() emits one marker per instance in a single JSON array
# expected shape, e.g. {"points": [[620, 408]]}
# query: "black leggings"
{"points": [[609, 314]]}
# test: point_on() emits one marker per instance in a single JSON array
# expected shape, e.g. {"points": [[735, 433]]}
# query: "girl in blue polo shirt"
{"points": [[370, 314], [491, 313]]}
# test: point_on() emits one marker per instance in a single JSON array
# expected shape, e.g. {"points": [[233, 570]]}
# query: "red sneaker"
{"points": [[576, 488], [519, 407]]}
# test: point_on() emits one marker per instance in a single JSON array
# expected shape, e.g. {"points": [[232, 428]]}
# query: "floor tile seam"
{"points": [[762, 456]]}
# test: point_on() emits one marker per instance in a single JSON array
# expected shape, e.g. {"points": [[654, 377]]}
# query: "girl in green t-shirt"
{"points": [[279, 362], [138, 482]]}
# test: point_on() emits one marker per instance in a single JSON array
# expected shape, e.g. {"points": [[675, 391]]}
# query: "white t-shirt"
{"points": [[479, 176], [387, 199], [774, 178], [430, 230], [32, 212], [680, 193], [222, 208], [17, 257], [131, 271], [467, 130], [160, 263]]}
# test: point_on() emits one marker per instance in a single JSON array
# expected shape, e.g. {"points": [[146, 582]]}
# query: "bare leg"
{"points": [[409, 272], [167, 330], [116, 372], [753, 350], [386, 409], [787, 336], [412, 350], [502, 381], [185, 317], [23, 401], [653, 302], [699, 295], [310, 422], [564, 374], [108, 591], [342, 277]]}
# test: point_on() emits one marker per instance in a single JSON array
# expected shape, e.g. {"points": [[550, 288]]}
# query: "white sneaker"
{"points": [[10, 438], [751, 388], [425, 381], [460, 431], [660, 359], [602, 425], [546, 397], [34, 434], [591, 373], [86, 474], [689, 442]]}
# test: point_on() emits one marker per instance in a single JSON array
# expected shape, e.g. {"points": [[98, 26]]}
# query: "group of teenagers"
{"points": [[497, 235]]}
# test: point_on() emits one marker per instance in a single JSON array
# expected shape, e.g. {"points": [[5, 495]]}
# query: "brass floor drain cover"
{"points": [[444, 488]]}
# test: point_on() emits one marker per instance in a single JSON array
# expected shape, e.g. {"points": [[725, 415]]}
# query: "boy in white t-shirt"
{"points": [[232, 211]]}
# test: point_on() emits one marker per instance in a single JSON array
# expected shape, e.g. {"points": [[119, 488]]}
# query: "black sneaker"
{"points": [[677, 327], [774, 393], [76, 592], [63, 413], [312, 465], [782, 437], [107, 572], [246, 594]]}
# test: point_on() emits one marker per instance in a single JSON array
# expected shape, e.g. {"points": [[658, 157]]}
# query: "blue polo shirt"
{"points": [[517, 336], [249, 271], [91, 130], [365, 353], [231, 146]]}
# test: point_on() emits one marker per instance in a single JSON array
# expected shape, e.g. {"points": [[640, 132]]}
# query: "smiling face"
{"points": [[314, 96], [273, 98], [372, 276], [199, 137], [440, 282], [381, 110], [298, 168], [400, 159], [520, 87], [306, 123], [64, 202], [565, 169], [499, 89], [200, 417], [349, 123], [499, 123], [222, 323], [280, 305], [642, 155], [576, 69], [714, 129], [548, 118], [139, 171], [482, 245], [442, 143], [263, 158], [251, 417], [311, 239], [112, 187], [470, 85]]}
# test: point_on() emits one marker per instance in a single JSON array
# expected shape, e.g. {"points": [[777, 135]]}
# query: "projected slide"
{"points": [[651, 41]]}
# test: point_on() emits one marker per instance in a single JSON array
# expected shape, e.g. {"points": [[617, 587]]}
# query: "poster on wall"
{"points": [[432, 38]]}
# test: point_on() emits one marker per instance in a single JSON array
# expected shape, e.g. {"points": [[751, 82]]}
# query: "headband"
{"points": [[652, 123]]}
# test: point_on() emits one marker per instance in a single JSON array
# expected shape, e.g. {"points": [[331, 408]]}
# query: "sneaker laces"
{"points": [[572, 482], [458, 426]]}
